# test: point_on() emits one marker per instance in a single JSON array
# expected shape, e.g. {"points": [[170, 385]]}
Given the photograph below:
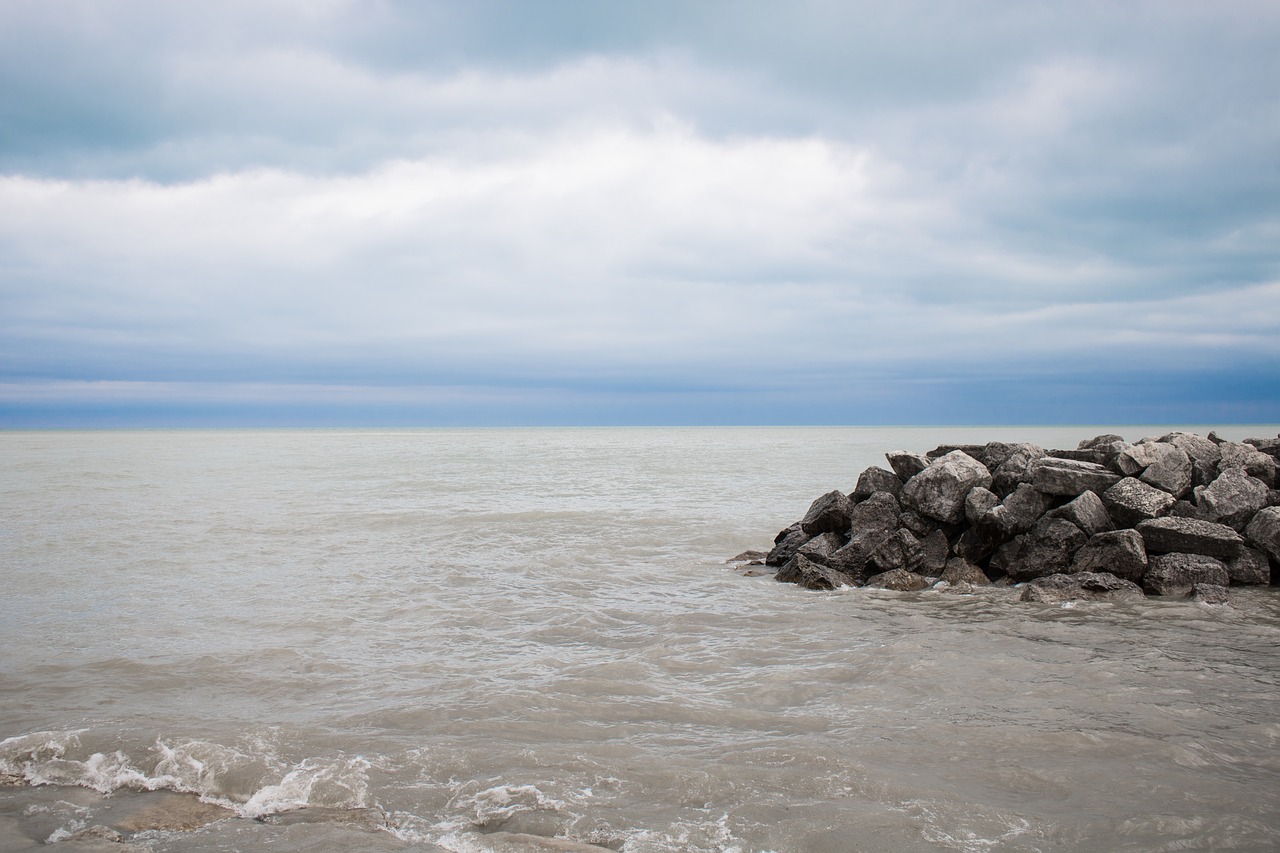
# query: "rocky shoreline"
{"points": [[1174, 515]]}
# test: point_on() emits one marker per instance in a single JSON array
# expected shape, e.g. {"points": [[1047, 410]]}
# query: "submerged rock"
{"points": [[898, 579], [811, 574], [1082, 586]]}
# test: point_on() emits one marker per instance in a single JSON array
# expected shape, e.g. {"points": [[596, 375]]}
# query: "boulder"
{"points": [[823, 545], [1003, 557], [1082, 586], [1086, 512], [1186, 509], [899, 579], [1021, 509], [1016, 467], [1264, 532], [1100, 441], [1175, 574], [1048, 549], [854, 559], [1170, 472], [1269, 446], [978, 503], [906, 465], [786, 545], [874, 480], [1092, 455], [939, 490], [1136, 457], [1190, 536], [1069, 477], [1253, 461], [1203, 473], [898, 550], [934, 550], [878, 513], [811, 574], [1200, 449], [918, 524], [978, 542], [1233, 498], [1208, 593], [1118, 552], [1130, 501], [828, 513], [1251, 567], [960, 571]]}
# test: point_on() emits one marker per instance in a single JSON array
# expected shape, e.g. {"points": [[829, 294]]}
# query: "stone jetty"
{"points": [[1174, 515]]}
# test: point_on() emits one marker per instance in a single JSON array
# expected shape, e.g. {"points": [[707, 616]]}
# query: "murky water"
{"points": [[474, 639]]}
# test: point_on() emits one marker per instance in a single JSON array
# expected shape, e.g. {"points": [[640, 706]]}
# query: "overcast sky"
{"points": [[330, 212]]}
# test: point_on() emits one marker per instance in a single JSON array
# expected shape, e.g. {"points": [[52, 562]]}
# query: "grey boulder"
{"points": [[828, 513], [1233, 498], [1131, 501], [1082, 586], [1119, 552], [1190, 536], [1175, 574], [898, 579], [1047, 549], [1070, 477], [939, 491], [1086, 512], [811, 574], [874, 480], [1264, 532]]}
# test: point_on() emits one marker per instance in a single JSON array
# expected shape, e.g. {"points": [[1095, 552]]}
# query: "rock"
{"points": [[1094, 456], [853, 559], [786, 545], [1004, 556], [1203, 472], [1099, 441], [996, 453], [939, 490], [811, 574], [1171, 472], [822, 546], [1233, 498], [899, 579], [1253, 461], [1269, 446], [1190, 536], [978, 503], [1086, 512], [828, 513], [906, 465], [1175, 574], [1264, 532], [1198, 448], [1016, 468], [1068, 477], [918, 524], [934, 550], [878, 513], [1021, 509], [898, 550], [875, 480], [1251, 567], [1130, 501], [1136, 457], [975, 451], [1082, 586], [960, 571], [1186, 509], [979, 542], [748, 557], [1118, 552], [1048, 549], [1207, 593]]}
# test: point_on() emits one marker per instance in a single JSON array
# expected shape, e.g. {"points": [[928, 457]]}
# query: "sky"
{"points": [[333, 213]]}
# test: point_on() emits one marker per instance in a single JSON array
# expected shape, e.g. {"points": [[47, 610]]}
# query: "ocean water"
{"points": [[528, 639]]}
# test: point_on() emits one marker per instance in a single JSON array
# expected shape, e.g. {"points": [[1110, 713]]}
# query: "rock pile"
{"points": [[1176, 515]]}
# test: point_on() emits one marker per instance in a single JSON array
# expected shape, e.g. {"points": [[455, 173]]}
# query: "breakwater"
{"points": [[1178, 514]]}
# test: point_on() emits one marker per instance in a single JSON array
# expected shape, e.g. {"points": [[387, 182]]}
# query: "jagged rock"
{"points": [[995, 453], [939, 490], [1068, 477], [1099, 441], [906, 465], [1186, 509], [1264, 531], [975, 451], [978, 503], [1253, 461], [1118, 552], [878, 513], [1273, 497], [1004, 556], [934, 550], [1086, 512], [828, 513], [1016, 468], [1048, 549], [979, 542], [750, 556], [899, 550], [811, 574], [1207, 593], [874, 480], [920, 525], [960, 571], [853, 559], [1203, 472], [1233, 498], [1130, 501], [1094, 456], [1190, 536], [787, 545], [1175, 574], [1171, 472], [1269, 446], [1021, 509], [1251, 567], [823, 545], [899, 579], [1082, 586], [1136, 457], [1200, 449]]}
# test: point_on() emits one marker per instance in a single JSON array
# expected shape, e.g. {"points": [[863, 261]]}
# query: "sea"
{"points": [[494, 640]]}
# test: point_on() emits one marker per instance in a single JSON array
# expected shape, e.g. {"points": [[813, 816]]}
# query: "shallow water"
{"points": [[416, 639]]}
